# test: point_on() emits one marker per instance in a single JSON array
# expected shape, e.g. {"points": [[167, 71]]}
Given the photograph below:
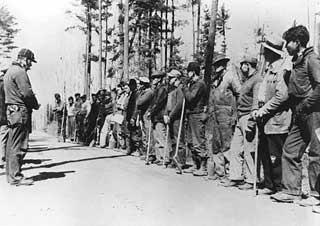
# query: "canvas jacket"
{"points": [[274, 93]]}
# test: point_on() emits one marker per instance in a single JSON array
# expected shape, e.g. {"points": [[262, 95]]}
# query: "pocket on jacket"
{"points": [[17, 116]]}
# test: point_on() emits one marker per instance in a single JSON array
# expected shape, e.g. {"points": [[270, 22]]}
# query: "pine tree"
{"points": [[8, 32]]}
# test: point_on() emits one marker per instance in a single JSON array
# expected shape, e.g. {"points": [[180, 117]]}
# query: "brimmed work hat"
{"points": [[275, 44], [174, 74], [220, 59], [144, 80]]}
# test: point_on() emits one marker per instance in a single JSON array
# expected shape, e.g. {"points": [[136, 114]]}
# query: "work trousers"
{"points": [[174, 130], [4, 131], [197, 127], [270, 152], [162, 148], [219, 132], [134, 139], [61, 131], [71, 127], [106, 128], [17, 143], [240, 153], [304, 130]]}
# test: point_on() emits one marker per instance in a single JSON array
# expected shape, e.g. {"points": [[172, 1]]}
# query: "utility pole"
{"points": [[100, 47], [126, 42]]}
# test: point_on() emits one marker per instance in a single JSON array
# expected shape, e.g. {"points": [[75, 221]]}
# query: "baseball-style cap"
{"points": [[174, 74], [250, 60], [144, 80], [27, 53]]}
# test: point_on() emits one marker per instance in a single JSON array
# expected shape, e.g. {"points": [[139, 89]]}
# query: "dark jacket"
{"points": [[18, 88], [144, 100], [159, 102], [174, 105], [131, 112], [304, 82], [196, 97], [3, 116]]}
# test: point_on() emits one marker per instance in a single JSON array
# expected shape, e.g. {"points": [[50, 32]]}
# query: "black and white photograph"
{"points": [[159, 112]]}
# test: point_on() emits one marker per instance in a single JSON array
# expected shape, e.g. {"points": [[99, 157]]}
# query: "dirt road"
{"points": [[81, 186]]}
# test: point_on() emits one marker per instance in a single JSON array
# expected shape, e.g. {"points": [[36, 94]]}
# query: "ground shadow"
{"points": [[49, 175], [42, 149], [70, 161], [35, 161]]}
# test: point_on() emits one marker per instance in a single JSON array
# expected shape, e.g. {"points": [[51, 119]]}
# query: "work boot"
{"points": [[194, 167], [203, 169]]}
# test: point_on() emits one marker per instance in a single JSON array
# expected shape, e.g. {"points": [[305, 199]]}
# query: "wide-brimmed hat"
{"points": [[158, 74], [275, 44], [220, 59], [174, 74]]}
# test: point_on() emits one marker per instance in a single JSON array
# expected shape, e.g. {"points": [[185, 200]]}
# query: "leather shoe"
{"points": [[310, 201], [23, 181], [245, 186], [232, 183], [265, 191], [283, 197]]}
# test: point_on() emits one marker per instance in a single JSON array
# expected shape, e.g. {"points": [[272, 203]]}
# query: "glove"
{"points": [[166, 119], [250, 130]]}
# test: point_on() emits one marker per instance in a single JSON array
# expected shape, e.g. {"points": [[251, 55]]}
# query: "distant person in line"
{"points": [[3, 122], [70, 119], [60, 111], [20, 101]]}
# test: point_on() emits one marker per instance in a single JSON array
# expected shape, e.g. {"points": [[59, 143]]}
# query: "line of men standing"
{"points": [[244, 117]]}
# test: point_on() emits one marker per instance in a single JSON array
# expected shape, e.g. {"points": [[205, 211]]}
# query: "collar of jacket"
{"points": [[16, 63], [298, 60]]}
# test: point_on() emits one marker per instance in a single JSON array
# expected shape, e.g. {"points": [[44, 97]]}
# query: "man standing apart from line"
{"points": [[60, 111], [304, 98], [20, 100], [196, 93]]}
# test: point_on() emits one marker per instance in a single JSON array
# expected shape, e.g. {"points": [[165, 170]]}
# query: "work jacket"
{"points": [[222, 98], [159, 102], [304, 81], [174, 104], [17, 87], [273, 92], [196, 97]]}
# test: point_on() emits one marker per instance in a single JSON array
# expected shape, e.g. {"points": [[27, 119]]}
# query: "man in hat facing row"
{"points": [[20, 101]]}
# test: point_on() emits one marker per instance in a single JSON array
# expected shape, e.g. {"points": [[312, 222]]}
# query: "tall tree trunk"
{"points": [[150, 44], [172, 34], [100, 76], [211, 41], [161, 44], [166, 37], [126, 42], [193, 31], [106, 48], [198, 27], [87, 77], [121, 36]]}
